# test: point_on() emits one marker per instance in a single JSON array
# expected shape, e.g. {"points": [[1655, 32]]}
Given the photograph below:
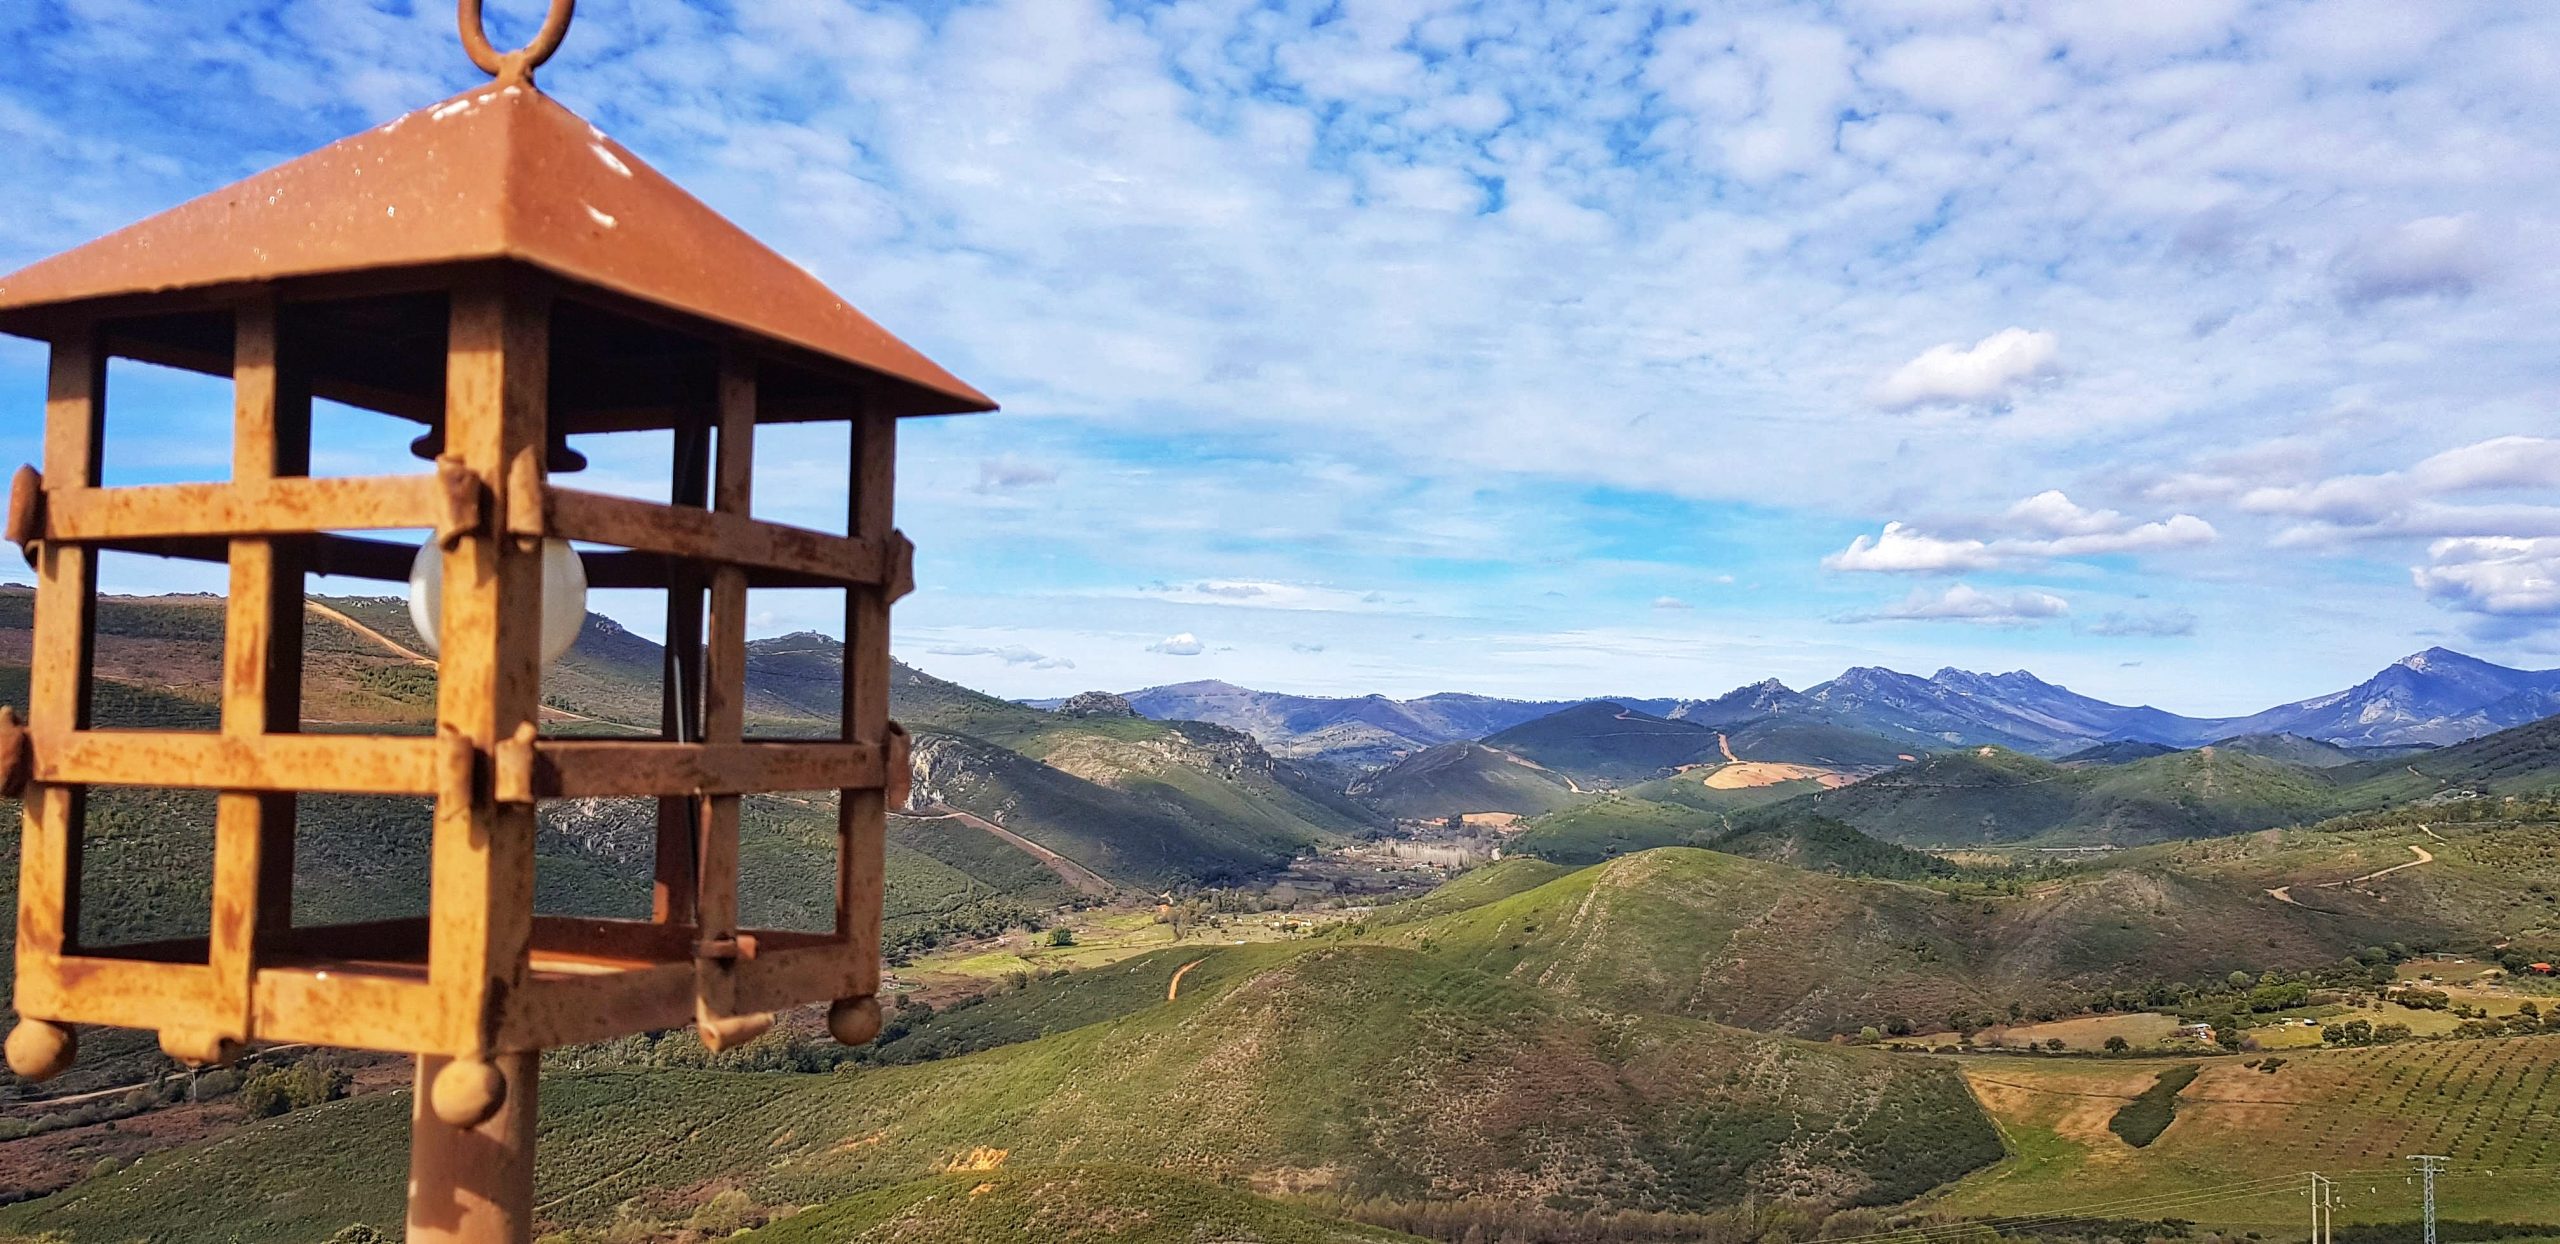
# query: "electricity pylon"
{"points": [[2427, 1173], [2323, 1206]]}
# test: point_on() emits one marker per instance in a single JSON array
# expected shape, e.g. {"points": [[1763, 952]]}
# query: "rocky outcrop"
{"points": [[1096, 704]]}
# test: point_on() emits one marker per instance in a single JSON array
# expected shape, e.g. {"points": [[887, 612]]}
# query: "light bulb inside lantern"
{"points": [[564, 596]]}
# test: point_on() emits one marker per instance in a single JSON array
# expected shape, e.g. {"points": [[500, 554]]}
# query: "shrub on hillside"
{"points": [[2142, 1120], [284, 1089]]}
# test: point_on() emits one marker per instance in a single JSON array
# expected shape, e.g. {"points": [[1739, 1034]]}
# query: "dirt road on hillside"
{"points": [[2284, 893], [1082, 878], [1526, 763], [369, 633]]}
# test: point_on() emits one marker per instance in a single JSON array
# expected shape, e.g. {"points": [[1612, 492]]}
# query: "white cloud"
{"points": [[2433, 255], [1010, 654], [2409, 502], [2053, 525], [1267, 594], [1185, 644], [1959, 602], [2503, 576], [1669, 602], [1986, 372], [1900, 550], [1207, 260], [2155, 624], [1010, 472]]}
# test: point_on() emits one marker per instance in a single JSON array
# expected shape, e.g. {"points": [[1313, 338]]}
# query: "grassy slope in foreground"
{"points": [[1367, 1070], [2489, 1105], [1057, 1204]]}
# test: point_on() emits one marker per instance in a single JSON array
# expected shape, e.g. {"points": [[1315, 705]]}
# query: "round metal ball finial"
{"points": [[41, 1050], [854, 1021], [518, 65], [467, 1092]]}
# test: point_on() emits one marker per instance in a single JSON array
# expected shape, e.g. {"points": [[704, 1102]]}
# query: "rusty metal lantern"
{"points": [[496, 270]]}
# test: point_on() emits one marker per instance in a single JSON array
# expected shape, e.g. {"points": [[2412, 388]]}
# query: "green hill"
{"points": [[1454, 779], [1363, 1071], [1789, 739], [1990, 795], [1777, 948], [1822, 844], [1062, 1205], [1601, 743], [1613, 824], [1672, 812], [2521, 761]]}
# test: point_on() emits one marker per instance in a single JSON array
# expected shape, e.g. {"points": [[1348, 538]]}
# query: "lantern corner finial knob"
{"points": [[40, 1049], [198, 1049], [854, 1021], [466, 1092]]}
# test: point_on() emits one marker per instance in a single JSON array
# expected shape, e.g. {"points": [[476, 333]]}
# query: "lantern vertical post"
{"points": [[261, 690], [863, 814], [471, 1178], [680, 714], [724, 722], [49, 849]]}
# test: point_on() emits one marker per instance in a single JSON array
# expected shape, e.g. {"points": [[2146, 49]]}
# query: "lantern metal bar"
{"points": [[106, 989], [333, 763], [709, 536], [541, 768], [250, 507]]}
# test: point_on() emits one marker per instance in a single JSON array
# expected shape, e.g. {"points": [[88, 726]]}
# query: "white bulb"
{"points": [[564, 596]]}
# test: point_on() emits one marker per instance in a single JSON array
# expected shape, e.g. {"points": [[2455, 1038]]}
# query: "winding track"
{"points": [[2284, 893], [1069, 871]]}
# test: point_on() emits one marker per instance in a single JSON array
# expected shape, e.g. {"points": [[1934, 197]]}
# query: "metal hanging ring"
{"points": [[516, 66]]}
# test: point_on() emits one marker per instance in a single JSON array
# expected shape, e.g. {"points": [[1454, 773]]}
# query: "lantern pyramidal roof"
{"points": [[499, 173]]}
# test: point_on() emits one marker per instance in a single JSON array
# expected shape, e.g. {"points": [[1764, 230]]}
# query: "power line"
{"points": [[2427, 1167]]}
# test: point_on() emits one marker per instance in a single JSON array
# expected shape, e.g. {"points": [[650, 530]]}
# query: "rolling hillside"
{"points": [[1454, 779], [1201, 802], [1768, 946], [1057, 1205], [1987, 795], [1364, 1071], [1606, 744], [1992, 796], [1142, 803]]}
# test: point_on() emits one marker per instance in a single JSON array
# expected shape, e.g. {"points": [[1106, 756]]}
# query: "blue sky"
{"points": [[2195, 352]]}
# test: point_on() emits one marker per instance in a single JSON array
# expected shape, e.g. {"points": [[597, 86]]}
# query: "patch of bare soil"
{"points": [[1745, 774]]}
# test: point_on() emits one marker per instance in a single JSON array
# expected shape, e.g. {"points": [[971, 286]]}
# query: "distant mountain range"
{"points": [[2429, 698]]}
